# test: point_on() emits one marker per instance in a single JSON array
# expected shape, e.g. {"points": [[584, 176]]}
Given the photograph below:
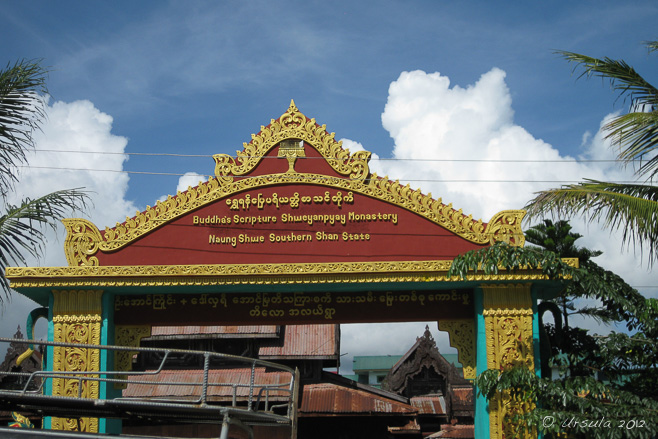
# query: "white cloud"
{"points": [[80, 128], [429, 119], [452, 127], [188, 180], [76, 149]]}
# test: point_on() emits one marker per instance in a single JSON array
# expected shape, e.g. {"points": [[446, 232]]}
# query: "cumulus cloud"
{"points": [[190, 179], [462, 145], [468, 144], [75, 149], [353, 147]]}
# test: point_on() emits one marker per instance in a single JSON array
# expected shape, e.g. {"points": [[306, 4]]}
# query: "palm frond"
{"points": [[21, 111], [21, 227], [638, 133], [599, 314], [623, 77], [633, 208]]}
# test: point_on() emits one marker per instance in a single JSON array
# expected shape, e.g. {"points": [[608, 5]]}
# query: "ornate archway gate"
{"points": [[293, 230]]}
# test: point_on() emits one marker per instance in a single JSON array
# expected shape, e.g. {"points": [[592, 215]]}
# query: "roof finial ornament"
{"points": [[427, 336]]}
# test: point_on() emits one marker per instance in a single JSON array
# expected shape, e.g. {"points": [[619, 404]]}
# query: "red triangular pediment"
{"points": [[292, 195]]}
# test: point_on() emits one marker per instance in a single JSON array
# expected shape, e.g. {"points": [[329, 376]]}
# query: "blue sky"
{"points": [[412, 80], [202, 76]]}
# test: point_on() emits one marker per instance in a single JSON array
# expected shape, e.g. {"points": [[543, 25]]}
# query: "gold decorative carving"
{"points": [[291, 150], [292, 125], [508, 326], [248, 274], [505, 227], [20, 421], [127, 336], [76, 319], [462, 337], [84, 239]]}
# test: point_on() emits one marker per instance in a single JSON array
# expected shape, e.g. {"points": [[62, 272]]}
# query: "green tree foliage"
{"points": [[558, 238], [611, 379], [22, 110], [633, 208]]}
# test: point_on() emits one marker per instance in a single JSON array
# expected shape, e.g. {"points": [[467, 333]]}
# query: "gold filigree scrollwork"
{"points": [[462, 337], [292, 125], [392, 192], [127, 336], [505, 227], [508, 326], [82, 241], [76, 319]]}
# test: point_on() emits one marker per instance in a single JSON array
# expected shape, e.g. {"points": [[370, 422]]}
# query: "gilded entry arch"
{"points": [[294, 229]]}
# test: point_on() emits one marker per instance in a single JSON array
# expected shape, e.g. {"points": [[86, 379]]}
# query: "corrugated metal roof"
{"points": [[462, 397], [220, 383], [455, 431], [302, 341], [322, 398], [411, 427], [327, 398], [219, 331], [429, 404]]}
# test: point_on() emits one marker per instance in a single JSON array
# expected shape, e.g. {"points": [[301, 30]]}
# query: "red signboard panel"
{"points": [[292, 223]]}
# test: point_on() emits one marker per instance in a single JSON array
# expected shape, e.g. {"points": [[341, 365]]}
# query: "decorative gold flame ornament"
{"points": [[291, 149]]}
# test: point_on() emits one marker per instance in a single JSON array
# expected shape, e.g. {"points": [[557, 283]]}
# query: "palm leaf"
{"points": [[21, 227], [623, 77], [21, 111], [635, 133], [638, 132], [599, 314], [631, 207]]}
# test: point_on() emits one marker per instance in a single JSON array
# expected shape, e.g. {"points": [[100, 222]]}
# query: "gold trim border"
{"points": [[250, 274]]}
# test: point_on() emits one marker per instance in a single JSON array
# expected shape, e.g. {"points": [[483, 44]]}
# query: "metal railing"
{"points": [[262, 392]]}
